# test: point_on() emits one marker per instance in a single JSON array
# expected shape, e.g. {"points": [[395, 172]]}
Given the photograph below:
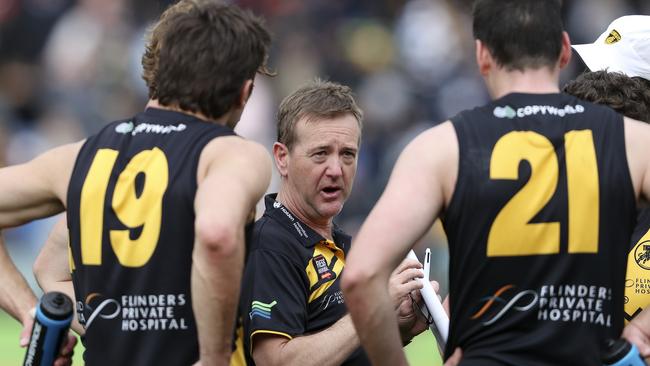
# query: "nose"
{"points": [[334, 167]]}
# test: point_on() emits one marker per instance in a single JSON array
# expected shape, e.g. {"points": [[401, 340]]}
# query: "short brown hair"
{"points": [[520, 34], [626, 95], [315, 101], [199, 54]]}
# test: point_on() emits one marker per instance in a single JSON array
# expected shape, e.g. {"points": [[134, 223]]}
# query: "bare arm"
{"points": [[327, 347], [637, 135], [38, 188], [420, 185], [233, 175], [333, 345], [30, 191], [52, 266], [15, 295]]}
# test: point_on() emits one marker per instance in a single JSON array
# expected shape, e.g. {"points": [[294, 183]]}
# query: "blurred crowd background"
{"points": [[68, 67]]}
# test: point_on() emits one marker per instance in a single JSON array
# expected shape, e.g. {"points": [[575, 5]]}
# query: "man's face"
{"points": [[321, 165]]}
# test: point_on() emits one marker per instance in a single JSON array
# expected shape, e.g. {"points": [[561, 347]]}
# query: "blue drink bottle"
{"points": [[621, 353], [53, 317]]}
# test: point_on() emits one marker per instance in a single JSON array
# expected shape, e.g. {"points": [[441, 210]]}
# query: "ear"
{"points": [[565, 53], [484, 59], [281, 157], [245, 92]]}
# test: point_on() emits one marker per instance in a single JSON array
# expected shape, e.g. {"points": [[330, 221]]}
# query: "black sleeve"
{"points": [[274, 295]]}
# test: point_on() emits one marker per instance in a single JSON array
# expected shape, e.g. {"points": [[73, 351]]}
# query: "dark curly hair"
{"points": [[200, 53], [629, 96]]}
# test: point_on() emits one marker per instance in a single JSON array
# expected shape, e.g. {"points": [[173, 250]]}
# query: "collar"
{"points": [[302, 232]]}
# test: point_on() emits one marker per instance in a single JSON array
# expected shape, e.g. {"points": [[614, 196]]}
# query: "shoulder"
{"points": [[270, 235], [432, 142], [235, 147], [237, 156]]}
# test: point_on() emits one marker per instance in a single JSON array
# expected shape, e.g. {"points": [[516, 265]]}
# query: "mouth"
{"points": [[331, 192]]}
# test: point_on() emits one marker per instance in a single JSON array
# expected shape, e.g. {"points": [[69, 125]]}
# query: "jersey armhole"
{"points": [[266, 331]]}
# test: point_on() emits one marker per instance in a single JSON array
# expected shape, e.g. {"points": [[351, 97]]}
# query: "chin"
{"points": [[330, 209]]}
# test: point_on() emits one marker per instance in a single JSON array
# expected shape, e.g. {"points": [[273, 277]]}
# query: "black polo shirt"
{"points": [[291, 284]]}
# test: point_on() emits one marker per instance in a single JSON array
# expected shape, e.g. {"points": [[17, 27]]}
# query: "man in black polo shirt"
{"points": [[291, 304]]}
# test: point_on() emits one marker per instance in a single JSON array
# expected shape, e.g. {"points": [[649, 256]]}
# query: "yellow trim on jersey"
{"points": [[267, 332], [328, 250]]}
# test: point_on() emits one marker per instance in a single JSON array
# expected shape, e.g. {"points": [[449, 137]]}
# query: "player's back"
{"points": [[131, 220], [538, 224]]}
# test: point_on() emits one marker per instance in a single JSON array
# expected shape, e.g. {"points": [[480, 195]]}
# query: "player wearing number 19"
{"points": [[157, 204], [537, 191]]}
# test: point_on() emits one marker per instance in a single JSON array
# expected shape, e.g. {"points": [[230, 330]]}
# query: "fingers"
{"points": [[409, 274], [445, 305], [63, 361], [26, 332], [406, 264], [455, 358], [67, 351], [435, 285], [398, 292], [68, 346]]}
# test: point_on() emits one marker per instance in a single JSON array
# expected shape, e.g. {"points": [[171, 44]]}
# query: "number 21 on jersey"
{"points": [[512, 233], [136, 209]]}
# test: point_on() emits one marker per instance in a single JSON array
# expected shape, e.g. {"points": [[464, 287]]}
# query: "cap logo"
{"points": [[613, 37]]}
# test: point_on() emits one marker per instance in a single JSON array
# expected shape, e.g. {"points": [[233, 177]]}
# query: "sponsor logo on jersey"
{"points": [[153, 312], [504, 112], [531, 110], [521, 301], [613, 37], [261, 309], [323, 271], [129, 128], [124, 127], [332, 299], [568, 303]]}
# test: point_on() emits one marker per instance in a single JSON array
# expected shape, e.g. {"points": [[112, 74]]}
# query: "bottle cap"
{"points": [[615, 350], [56, 305]]}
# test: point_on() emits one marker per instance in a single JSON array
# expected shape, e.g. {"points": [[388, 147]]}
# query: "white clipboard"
{"points": [[440, 325]]}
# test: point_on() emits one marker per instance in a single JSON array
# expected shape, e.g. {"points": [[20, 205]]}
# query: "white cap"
{"points": [[623, 47]]}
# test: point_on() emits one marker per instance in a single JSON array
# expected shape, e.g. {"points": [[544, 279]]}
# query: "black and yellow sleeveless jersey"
{"points": [[131, 220], [538, 229], [637, 280], [291, 283]]}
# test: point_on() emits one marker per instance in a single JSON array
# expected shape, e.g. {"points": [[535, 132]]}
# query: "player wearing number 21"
{"points": [[537, 191], [157, 204]]}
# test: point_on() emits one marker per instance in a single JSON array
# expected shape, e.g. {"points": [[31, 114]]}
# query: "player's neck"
{"points": [[153, 103], [537, 81], [322, 226]]}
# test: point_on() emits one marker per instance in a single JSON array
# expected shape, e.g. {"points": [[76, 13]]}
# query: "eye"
{"points": [[349, 154], [319, 153]]}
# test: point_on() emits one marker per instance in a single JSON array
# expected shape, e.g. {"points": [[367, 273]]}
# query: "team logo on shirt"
{"points": [[642, 254], [261, 309], [613, 37]]}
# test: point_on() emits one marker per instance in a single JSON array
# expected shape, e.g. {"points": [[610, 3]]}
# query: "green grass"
{"points": [[422, 351], [10, 351]]}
